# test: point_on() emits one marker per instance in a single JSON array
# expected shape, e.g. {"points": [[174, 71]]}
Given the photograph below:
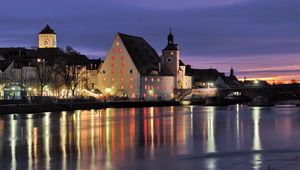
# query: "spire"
{"points": [[231, 72], [170, 38], [171, 45]]}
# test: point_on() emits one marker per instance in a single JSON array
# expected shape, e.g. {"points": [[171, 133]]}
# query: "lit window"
{"points": [[112, 71], [144, 95], [122, 79], [146, 79], [131, 86], [123, 64], [113, 79], [117, 43], [122, 57], [152, 79], [158, 79], [145, 87], [114, 50], [113, 57], [120, 50], [122, 86], [104, 79], [132, 95], [131, 78], [112, 64], [152, 87], [122, 71]]}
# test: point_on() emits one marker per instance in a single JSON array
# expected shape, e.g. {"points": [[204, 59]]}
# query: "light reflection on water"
{"points": [[190, 137]]}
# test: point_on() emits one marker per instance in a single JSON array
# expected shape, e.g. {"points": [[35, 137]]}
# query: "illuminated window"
{"points": [[145, 87], [131, 78], [131, 86], [122, 79], [122, 71], [149, 87], [114, 50], [113, 57], [146, 79], [104, 79], [117, 43], [123, 64], [152, 79], [132, 95], [144, 95], [112, 71], [112, 64], [158, 79], [120, 50], [122, 57], [122, 86], [113, 79]]}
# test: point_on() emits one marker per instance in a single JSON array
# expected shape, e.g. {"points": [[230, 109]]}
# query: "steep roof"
{"points": [[142, 54], [205, 75], [47, 30]]}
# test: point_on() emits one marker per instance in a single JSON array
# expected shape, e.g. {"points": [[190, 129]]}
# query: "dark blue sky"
{"points": [[259, 38]]}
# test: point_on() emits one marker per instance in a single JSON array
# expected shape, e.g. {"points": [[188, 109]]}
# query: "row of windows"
{"points": [[113, 57], [122, 71], [122, 79], [122, 64], [155, 79], [151, 87], [122, 86]]}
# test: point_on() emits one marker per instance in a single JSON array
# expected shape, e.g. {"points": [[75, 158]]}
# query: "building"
{"points": [[133, 69]]}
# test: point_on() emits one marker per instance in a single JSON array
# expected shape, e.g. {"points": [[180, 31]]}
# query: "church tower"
{"points": [[231, 72], [47, 38], [171, 56]]}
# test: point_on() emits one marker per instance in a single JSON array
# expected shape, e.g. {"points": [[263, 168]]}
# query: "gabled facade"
{"points": [[119, 75]]}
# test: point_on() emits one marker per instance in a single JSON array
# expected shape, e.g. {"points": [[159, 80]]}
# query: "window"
{"points": [[123, 64], [114, 50], [152, 79], [145, 87], [157, 87], [113, 79], [112, 64], [104, 79], [112, 71], [117, 43], [158, 79], [120, 50], [146, 79], [122, 86], [122, 79], [131, 78], [122, 57], [130, 71], [113, 57], [131, 86], [122, 71], [103, 71]]}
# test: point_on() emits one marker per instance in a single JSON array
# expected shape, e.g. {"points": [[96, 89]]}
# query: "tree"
{"points": [[73, 76], [44, 73]]}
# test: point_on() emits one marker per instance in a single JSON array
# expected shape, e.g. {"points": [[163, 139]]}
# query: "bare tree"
{"points": [[44, 73], [73, 76]]}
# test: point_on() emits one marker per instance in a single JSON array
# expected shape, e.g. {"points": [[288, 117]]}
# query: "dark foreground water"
{"points": [[191, 137]]}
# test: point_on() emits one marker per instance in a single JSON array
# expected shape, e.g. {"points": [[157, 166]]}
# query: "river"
{"points": [[176, 137]]}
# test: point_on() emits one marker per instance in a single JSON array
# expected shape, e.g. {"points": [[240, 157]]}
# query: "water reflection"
{"points": [[127, 138], [257, 158]]}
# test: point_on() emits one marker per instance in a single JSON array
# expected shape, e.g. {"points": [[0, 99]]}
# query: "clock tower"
{"points": [[171, 56], [47, 38]]}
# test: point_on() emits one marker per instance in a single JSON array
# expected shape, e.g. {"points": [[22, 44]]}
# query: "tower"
{"points": [[231, 72], [47, 38], [171, 56]]}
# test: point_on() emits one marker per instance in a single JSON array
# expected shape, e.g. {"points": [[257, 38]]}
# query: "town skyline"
{"points": [[260, 44]]}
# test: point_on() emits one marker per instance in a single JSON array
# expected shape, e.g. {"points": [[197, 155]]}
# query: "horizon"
{"points": [[258, 39]]}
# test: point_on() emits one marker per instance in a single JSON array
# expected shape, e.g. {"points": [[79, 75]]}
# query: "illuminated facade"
{"points": [[133, 69]]}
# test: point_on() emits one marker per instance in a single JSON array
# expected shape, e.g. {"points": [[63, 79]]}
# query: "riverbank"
{"points": [[71, 106]]}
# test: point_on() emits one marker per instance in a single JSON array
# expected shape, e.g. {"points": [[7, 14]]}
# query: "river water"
{"points": [[183, 137]]}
